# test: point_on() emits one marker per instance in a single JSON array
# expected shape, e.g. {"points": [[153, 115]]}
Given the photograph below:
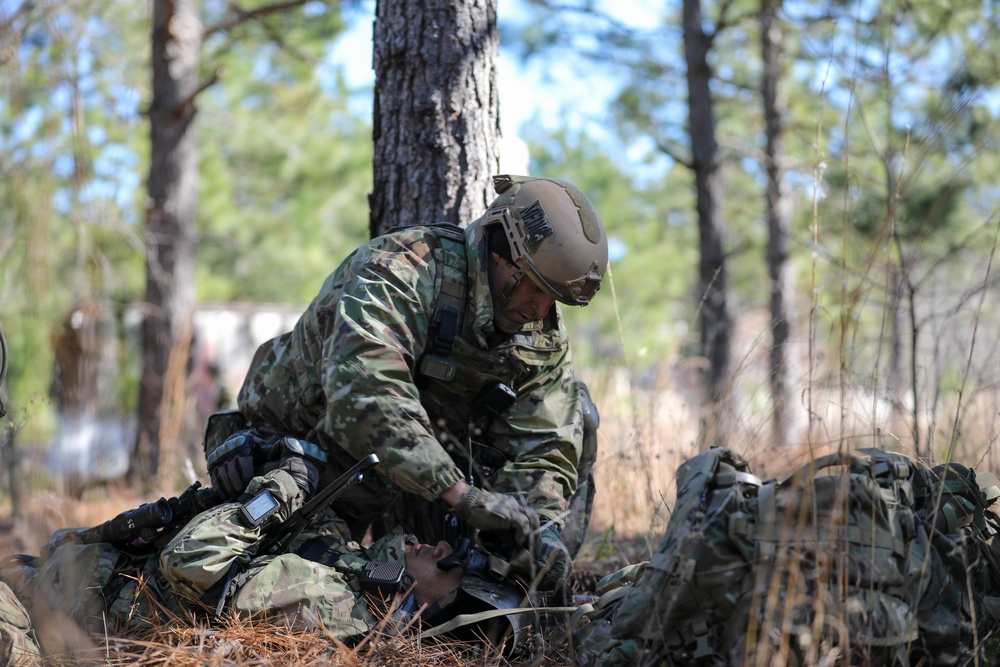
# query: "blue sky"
{"points": [[549, 91]]}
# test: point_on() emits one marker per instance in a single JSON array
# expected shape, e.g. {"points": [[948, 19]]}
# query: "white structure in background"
{"points": [[93, 442], [514, 155], [227, 335]]}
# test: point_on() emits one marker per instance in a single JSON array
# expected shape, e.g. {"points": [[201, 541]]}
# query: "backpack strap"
{"points": [[449, 308]]}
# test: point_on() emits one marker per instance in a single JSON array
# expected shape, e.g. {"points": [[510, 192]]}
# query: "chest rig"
{"points": [[451, 286]]}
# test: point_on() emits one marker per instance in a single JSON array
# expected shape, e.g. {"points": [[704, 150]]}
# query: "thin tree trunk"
{"points": [[436, 122], [777, 217], [714, 315], [170, 217]]}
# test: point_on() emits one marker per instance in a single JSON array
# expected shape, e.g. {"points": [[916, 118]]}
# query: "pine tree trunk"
{"points": [[714, 315], [170, 217], [777, 217], [436, 121]]}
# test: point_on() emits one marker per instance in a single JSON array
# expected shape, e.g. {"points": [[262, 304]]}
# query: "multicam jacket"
{"points": [[103, 590], [17, 645], [346, 377]]}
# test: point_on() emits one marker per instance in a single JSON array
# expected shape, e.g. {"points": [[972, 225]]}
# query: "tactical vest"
{"points": [[438, 364], [451, 286]]}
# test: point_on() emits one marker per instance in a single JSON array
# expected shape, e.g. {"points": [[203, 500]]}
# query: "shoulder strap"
{"points": [[449, 308]]}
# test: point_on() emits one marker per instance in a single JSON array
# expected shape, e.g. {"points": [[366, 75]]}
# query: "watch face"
{"points": [[258, 509]]}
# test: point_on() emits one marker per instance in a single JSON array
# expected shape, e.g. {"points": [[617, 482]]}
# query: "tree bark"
{"points": [[436, 120], [437, 135], [777, 217], [714, 315], [170, 216]]}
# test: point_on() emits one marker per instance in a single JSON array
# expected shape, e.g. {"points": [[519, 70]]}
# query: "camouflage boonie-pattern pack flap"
{"points": [[841, 558]]}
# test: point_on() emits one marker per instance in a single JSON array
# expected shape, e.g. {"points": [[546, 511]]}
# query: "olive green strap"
{"points": [[471, 619]]}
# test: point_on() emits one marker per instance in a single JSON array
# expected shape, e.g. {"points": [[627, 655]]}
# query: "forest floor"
{"points": [[184, 642]]}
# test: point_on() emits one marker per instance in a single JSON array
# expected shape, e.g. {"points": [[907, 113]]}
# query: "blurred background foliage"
{"points": [[890, 153]]}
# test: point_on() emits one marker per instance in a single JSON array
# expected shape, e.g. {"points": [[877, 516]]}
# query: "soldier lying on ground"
{"points": [[324, 581]]}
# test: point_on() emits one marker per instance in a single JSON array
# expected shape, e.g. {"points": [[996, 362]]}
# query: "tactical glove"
{"points": [[245, 455], [231, 466], [497, 513], [545, 562], [303, 470], [552, 559]]}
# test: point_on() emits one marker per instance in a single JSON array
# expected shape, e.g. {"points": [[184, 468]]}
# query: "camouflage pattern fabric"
{"points": [[17, 642], [95, 589], [346, 378], [285, 588], [75, 592], [846, 557]]}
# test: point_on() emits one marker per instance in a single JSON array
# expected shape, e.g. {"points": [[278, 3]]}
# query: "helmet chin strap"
{"points": [[503, 297]]}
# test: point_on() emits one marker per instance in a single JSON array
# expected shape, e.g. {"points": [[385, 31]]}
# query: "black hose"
{"points": [[3, 367]]}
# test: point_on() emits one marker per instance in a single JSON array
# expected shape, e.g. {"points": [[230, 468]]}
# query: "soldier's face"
{"points": [[432, 583], [527, 301]]}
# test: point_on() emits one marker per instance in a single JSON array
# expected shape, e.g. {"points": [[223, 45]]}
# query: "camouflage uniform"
{"points": [[17, 642], [318, 592], [346, 378], [105, 590]]}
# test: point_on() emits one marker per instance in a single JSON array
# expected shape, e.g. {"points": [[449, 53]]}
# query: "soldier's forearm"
{"points": [[453, 495]]}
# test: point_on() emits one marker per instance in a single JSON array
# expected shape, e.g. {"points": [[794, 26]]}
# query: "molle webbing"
{"points": [[449, 310]]}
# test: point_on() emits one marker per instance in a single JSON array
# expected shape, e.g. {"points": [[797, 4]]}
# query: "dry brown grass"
{"points": [[644, 437], [245, 644]]}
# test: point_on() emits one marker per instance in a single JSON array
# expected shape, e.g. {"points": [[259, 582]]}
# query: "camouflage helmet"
{"points": [[555, 234]]}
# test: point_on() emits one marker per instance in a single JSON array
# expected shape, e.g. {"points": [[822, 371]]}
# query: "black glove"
{"points": [[245, 455], [231, 465]]}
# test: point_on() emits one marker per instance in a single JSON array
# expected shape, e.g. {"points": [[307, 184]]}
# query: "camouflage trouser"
{"points": [[17, 642]]}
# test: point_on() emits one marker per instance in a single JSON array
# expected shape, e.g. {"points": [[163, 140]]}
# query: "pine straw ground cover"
{"points": [[234, 643], [186, 642]]}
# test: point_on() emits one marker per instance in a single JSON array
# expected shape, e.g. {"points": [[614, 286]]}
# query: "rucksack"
{"points": [[841, 558]]}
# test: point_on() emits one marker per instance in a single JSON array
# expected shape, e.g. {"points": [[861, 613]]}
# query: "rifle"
{"points": [[138, 527], [281, 538]]}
